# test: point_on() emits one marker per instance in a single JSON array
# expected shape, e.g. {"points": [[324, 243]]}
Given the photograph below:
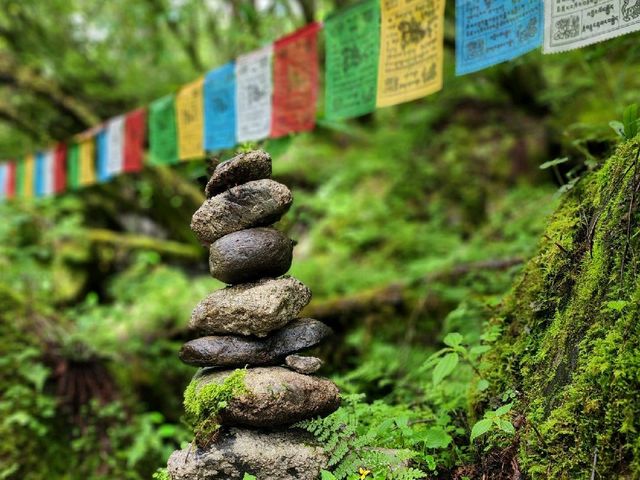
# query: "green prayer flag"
{"points": [[163, 143], [352, 38], [73, 167]]}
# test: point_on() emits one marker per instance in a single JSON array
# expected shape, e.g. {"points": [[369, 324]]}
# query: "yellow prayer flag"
{"points": [[411, 50], [86, 159], [29, 176], [190, 119]]}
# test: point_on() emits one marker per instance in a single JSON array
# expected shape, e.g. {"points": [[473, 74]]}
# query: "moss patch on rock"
{"points": [[570, 344], [203, 403]]}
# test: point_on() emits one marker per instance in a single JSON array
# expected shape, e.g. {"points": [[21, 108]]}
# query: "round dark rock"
{"points": [[254, 204], [300, 364], [250, 255], [242, 168], [274, 397], [235, 351], [274, 455]]}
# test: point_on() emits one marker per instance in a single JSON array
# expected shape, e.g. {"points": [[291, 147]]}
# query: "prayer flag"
{"points": [[573, 24], [163, 146], [102, 156], [60, 168], [253, 95], [352, 39], [4, 175], [295, 82], [220, 108], [73, 166], [44, 175], [87, 162], [190, 115], [25, 177], [10, 184], [115, 147], [411, 50], [488, 33], [134, 138]]}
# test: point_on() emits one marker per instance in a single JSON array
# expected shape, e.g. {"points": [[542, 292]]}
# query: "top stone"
{"points": [[243, 168]]}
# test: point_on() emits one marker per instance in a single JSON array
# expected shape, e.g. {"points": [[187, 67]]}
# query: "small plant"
{"points": [[495, 419], [445, 361], [628, 128], [161, 474]]}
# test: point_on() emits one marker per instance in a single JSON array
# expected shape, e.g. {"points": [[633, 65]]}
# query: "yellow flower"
{"points": [[363, 473]]}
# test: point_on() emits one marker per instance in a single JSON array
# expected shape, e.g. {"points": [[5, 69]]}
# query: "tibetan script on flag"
{"points": [[352, 39], [163, 145], [496, 31], [190, 117], [220, 108], [570, 24], [295, 82], [253, 95], [411, 49]]}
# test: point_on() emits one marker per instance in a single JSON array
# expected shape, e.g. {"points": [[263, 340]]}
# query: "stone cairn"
{"points": [[254, 323]]}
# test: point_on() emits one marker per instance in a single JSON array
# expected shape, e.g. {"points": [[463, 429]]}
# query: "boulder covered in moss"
{"points": [[570, 342]]}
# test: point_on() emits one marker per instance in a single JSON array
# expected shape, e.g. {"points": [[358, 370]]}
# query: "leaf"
{"points": [[506, 426], [483, 385], [553, 163], [503, 409], [453, 339], [324, 475], [431, 462], [445, 366], [630, 121], [479, 350], [436, 437], [251, 477], [480, 428], [616, 305], [617, 127]]}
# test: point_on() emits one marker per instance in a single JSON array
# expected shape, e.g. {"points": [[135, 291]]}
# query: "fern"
{"points": [[353, 444]]}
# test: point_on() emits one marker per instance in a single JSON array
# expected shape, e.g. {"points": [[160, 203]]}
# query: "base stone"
{"points": [[282, 455]]}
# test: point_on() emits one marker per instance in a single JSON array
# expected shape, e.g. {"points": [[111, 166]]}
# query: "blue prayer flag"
{"points": [[220, 108], [493, 31], [103, 156], [3, 180], [39, 178]]}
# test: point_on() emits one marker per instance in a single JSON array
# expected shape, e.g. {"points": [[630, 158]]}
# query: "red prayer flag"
{"points": [[11, 180], [60, 168], [295, 78], [134, 138]]}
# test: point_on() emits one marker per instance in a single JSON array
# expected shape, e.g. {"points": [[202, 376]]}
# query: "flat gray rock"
{"points": [[254, 204], [286, 455], [250, 255], [251, 308], [234, 351], [301, 364], [275, 397], [243, 168]]}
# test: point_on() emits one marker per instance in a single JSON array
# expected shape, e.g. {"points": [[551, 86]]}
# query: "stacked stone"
{"points": [[254, 323]]}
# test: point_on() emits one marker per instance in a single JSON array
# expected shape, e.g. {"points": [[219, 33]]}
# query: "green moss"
{"points": [[571, 335], [203, 403]]}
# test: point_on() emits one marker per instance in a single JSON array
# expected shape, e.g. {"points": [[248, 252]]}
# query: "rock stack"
{"points": [[252, 324]]}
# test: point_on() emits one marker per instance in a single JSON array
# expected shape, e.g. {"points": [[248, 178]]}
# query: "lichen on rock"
{"points": [[570, 344]]}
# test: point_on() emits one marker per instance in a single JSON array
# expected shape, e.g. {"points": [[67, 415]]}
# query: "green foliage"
{"points": [[494, 419], [628, 128], [202, 403], [161, 474]]}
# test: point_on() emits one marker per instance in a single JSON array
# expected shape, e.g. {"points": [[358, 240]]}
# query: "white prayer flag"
{"points": [[4, 174], [48, 182], [253, 95], [115, 146], [570, 24]]}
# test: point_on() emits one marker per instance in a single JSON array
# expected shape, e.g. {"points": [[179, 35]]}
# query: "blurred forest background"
{"points": [[411, 223]]}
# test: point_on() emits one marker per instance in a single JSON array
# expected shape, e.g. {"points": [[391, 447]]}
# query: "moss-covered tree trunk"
{"points": [[570, 344]]}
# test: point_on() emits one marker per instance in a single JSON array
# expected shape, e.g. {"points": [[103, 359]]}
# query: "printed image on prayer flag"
{"points": [[134, 138], [488, 33], [411, 50], [352, 43], [220, 108], [60, 168], [295, 82], [163, 139], [573, 24], [253, 95], [190, 115]]}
